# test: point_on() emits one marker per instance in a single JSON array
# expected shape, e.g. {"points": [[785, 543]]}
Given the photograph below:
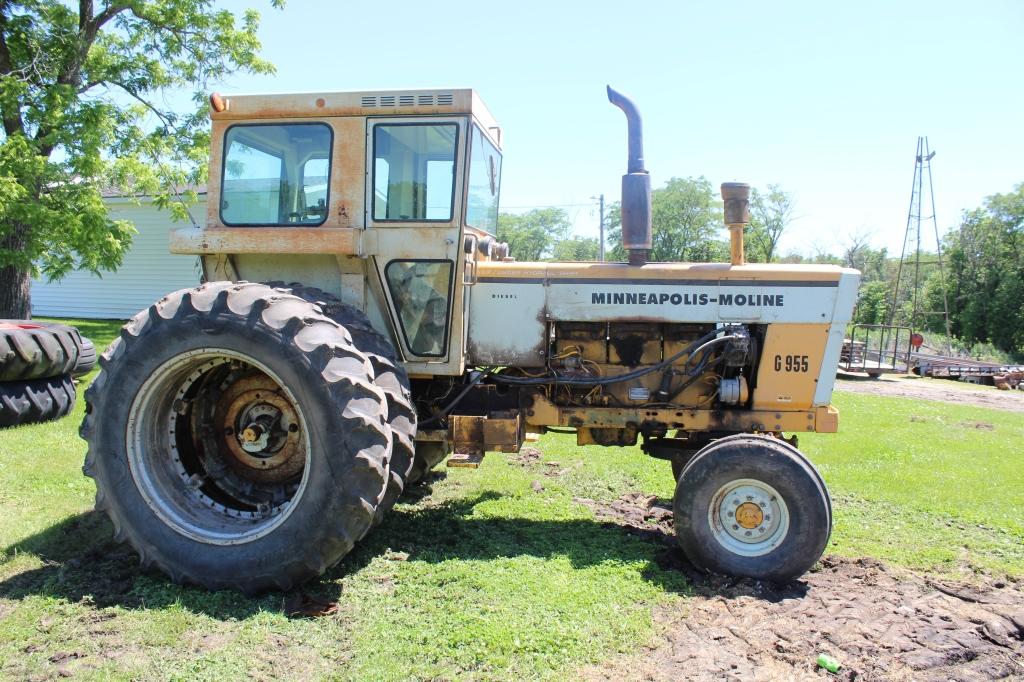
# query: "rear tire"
{"points": [[39, 400], [746, 506], [236, 438], [388, 375]]}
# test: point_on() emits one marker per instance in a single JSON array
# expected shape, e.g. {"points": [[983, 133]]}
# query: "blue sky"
{"points": [[825, 99]]}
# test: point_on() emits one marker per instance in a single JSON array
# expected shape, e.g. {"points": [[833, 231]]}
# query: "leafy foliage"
{"points": [[576, 249], [986, 273], [82, 104], [532, 236], [770, 215]]}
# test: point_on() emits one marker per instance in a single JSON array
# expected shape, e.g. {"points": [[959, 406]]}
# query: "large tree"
{"points": [[83, 92], [686, 220]]}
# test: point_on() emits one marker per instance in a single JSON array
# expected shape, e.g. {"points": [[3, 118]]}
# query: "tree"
{"points": [[985, 274], [532, 235], [81, 101], [576, 249], [686, 219], [770, 215]]}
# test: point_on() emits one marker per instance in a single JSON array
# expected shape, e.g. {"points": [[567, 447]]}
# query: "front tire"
{"points": [[749, 507], [236, 438]]}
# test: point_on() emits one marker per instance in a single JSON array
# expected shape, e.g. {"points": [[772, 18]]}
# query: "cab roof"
{"points": [[433, 101]]}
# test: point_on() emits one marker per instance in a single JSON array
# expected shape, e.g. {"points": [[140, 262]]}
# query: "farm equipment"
{"points": [[359, 322]]}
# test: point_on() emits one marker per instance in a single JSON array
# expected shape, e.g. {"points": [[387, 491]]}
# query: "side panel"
{"points": [[790, 359], [681, 301], [507, 324], [841, 316]]}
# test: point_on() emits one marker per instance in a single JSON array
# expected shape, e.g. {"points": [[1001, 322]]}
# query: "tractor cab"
{"points": [[386, 200]]}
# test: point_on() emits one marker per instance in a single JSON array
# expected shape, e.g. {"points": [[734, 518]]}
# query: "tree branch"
{"points": [[159, 114], [13, 123]]}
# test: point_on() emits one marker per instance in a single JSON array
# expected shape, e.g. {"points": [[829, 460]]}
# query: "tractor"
{"points": [[358, 322]]}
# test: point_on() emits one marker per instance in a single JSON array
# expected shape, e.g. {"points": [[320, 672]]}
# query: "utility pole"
{"points": [[600, 244]]}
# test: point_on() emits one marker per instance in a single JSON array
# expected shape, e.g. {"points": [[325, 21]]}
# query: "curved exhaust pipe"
{"points": [[636, 186]]}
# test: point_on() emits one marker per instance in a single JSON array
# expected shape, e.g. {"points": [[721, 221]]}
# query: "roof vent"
{"points": [[406, 100], [446, 99], [387, 100], [426, 100], [369, 102]]}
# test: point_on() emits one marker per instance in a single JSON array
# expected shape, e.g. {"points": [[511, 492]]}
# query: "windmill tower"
{"points": [[910, 276]]}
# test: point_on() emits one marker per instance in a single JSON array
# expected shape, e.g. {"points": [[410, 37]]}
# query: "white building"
{"points": [[147, 273]]}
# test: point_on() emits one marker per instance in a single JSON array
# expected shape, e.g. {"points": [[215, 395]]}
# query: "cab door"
{"points": [[414, 210]]}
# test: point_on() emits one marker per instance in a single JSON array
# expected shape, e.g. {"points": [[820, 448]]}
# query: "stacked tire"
{"points": [[38, 363]]}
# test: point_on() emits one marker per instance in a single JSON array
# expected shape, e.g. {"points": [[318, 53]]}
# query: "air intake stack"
{"points": [[636, 186], [736, 198]]}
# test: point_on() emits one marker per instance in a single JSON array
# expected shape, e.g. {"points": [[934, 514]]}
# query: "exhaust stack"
{"points": [[736, 197], [636, 186]]}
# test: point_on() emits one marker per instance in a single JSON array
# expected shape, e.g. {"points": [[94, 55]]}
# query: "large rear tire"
{"points": [[388, 375], [749, 507], [236, 438]]}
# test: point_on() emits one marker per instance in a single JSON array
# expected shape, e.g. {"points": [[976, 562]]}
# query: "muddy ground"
{"points": [[879, 622], [943, 390]]}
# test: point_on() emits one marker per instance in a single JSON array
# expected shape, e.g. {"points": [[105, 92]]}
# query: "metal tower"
{"points": [[909, 275]]}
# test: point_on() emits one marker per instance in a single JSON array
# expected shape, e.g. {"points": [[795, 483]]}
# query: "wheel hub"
{"points": [[260, 430], [748, 517]]}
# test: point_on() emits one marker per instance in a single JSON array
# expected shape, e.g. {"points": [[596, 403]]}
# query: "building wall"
{"points": [[147, 273]]}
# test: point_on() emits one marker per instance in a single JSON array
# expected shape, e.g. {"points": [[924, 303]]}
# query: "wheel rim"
{"points": [[218, 446], [748, 517]]}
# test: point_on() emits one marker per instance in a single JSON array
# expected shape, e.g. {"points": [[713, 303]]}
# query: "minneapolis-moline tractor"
{"points": [[359, 321]]}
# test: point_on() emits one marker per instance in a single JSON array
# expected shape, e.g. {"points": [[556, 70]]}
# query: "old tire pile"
{"points": [[246, 436], [38, 361]]}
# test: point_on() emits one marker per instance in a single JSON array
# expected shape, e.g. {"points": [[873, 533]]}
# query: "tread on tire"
{"points": [[172, 523], [36, 401], [388, 375]]}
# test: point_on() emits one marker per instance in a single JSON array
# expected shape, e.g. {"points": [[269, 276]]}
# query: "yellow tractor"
{"points": [[358, 322]]}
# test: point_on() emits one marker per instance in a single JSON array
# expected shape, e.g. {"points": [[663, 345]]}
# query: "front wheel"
{"points": [[748, 507]]}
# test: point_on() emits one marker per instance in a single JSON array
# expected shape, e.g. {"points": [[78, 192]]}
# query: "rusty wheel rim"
{"points": [[218, 446]]}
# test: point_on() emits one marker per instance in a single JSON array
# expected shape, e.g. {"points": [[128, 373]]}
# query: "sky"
{"points": [[825, 99]]}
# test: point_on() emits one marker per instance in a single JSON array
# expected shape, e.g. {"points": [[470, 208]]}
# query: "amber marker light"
{"points": [[218, 102]]}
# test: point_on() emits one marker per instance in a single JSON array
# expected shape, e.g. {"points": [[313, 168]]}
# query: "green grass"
{"points": [[485, 578]]}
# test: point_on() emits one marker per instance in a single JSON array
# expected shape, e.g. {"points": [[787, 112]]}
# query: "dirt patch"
{"points": [[941, 390], [980, 426], [879, 622]]}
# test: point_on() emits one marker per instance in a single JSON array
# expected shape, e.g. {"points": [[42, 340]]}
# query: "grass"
{"points": [[485, 578]]}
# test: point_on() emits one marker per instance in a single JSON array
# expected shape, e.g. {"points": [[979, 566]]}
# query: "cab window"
{"points": [[484, 183], [276, 174], [414, 172], [420, 290]]}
